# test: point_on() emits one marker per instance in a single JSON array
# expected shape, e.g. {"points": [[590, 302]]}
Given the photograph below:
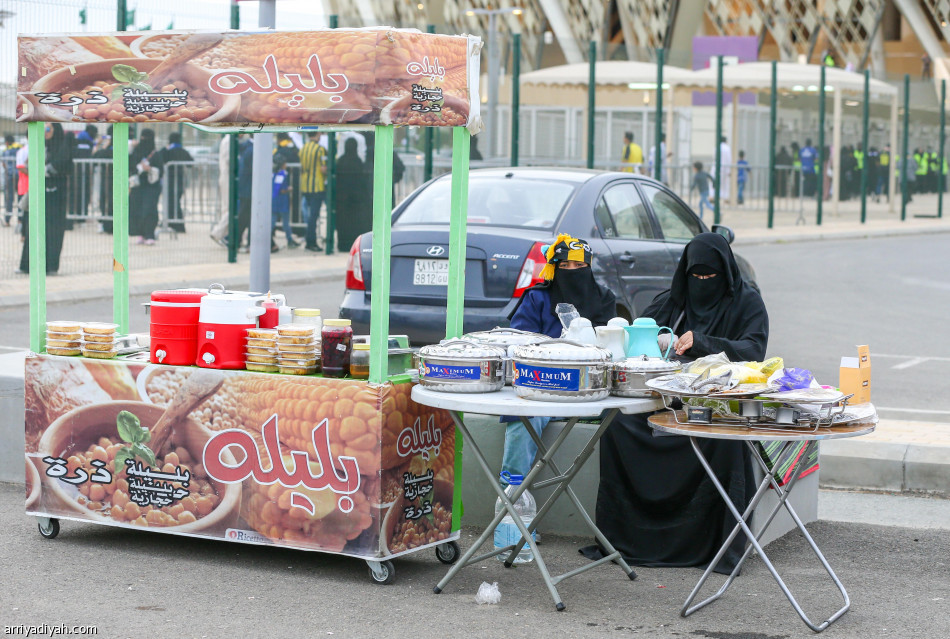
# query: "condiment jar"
{"points": [[309, 316], [359, 362], [336, 347]]}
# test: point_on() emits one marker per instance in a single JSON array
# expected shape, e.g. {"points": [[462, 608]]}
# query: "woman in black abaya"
{"points": [[655, 503]]}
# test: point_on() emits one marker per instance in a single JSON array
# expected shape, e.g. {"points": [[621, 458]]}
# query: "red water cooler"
{"points": [[173, 326], [223, 320]]}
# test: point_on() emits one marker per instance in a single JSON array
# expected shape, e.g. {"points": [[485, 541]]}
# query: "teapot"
{"points": [[581, 331], [612, 338], [642, 338]]}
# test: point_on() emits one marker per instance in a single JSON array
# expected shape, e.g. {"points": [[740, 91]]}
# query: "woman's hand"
{"points": [[684, 343]]}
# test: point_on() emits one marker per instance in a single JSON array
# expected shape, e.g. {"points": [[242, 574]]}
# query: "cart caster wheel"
{"points": [[50, 529], [437, 590], [448, 553], [384, 575], [560, 607]]}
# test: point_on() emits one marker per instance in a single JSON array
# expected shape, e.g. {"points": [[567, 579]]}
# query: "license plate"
{"points": [[431, 273]]}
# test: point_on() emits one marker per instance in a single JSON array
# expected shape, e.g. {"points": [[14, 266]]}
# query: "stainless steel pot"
{"points": [[507, 338], [628, 377], [560, 370], [462, 366]]}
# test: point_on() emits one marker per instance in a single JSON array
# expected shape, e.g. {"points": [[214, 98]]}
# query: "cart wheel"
{"points": [[50, 529], [385, 575], [448, 553]]}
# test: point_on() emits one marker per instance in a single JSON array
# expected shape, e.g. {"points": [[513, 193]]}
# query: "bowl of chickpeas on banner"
{"points": [[121, 90], [99, 461]]}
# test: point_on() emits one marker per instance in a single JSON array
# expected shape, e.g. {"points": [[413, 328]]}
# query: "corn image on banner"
{"points": [[334, 465], [342, 77]]}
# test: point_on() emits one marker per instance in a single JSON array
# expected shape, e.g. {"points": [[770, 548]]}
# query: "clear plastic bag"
{"points": [[488, 593], [567, 313]]}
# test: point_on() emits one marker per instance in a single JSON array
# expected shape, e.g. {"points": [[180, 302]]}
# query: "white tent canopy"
{"points": [[757, 76], [612, 73]]}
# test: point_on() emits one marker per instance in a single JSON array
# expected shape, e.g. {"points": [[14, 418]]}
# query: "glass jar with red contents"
{"points": [[336, 347]]}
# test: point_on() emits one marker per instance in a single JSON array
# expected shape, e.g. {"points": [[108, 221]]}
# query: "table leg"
{"points": [[741, 525], [563, 481], [467, 558]]}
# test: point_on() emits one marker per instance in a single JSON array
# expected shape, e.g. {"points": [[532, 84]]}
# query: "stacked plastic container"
{"points": [[63, 338], [99, 340], [298, 349], [261, 351]]}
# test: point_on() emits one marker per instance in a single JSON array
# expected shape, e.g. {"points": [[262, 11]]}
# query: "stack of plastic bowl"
{"points": [[63, 338], [99, 340], [298, 349], [261, 352]]}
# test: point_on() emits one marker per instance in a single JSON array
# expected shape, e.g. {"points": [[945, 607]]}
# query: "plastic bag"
{"points": [[791, 378], [567, 313], [488, 593], [718, 363]]}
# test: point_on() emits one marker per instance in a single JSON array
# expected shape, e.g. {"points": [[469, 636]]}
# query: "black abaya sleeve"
{"points": [[748, 334]]}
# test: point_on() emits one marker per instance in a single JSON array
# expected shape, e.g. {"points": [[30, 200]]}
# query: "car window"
{"points": [[622, 205], [678, 223], [493, 201]]}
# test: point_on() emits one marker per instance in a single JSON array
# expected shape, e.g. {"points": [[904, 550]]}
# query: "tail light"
{"points": [[354, 269], [531, 271]]}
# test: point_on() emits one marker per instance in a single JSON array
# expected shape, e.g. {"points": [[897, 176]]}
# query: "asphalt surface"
{"points": [[139, 584]]}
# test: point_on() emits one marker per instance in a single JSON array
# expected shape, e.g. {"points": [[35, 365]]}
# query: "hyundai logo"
{"points": [[435, 251]]}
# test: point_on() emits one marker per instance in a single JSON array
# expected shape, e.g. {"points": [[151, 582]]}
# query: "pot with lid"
{"points": [[561, 370], [462, 366], [628, 377], [507, 338]]}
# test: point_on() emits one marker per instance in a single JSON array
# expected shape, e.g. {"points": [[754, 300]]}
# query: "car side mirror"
{"points": [[724, 231]]}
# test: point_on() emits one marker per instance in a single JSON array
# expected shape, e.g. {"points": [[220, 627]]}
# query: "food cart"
{"points": [[344, 466]]}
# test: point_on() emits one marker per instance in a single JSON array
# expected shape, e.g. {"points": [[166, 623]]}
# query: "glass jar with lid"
{"points": [[309, 316], [359, 361], [336, 347]]}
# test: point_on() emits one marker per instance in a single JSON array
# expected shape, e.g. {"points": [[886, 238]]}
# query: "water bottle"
{"points": [[507, 533]]}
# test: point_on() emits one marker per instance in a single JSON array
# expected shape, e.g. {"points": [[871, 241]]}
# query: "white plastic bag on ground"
{"points": [[488, 593]]}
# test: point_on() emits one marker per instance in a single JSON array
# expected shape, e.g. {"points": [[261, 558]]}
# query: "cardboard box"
{"points": [[854, 376]]}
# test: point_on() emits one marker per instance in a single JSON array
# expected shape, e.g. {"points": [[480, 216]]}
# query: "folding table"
{"points": [[666, 423], [505, 402]]}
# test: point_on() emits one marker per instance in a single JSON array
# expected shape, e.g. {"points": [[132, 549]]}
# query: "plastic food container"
{"points": [[256, 342], [52, 350], [296, 330], [99, 328], [307, 317], [560, 370], [261, 359], [359, 361], [289, 355], [462, 366], [98, 346], [60, 343], [99, 354], [308, 363], [298, 340], [289, 369], [99, 339], [336, 347], [262, 333], [262, 368], [307, 347], [260, 350], [71, 336], [64, 326], [628, 377]]}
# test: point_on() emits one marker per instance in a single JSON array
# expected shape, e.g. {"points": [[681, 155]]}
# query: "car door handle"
{"points": [[629, 258]]}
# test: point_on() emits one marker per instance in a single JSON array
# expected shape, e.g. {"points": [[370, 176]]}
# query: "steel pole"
{"points": [[904, 148], [941, 177], [866, 116], [261, 179], [718, 142], [658, 134], [233, 239], [591, 101], [331, 179], [492, 122], [515, 96], [821, 143], [121, 13], [773, 107]]}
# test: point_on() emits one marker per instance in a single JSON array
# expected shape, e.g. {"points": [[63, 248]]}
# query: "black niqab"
{"points": [[578, 287]]}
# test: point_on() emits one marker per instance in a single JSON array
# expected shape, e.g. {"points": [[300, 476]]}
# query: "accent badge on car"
{"points": [[435, 251]]}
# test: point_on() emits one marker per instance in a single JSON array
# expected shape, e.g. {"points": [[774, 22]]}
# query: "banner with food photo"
{"points": [[334, 465], [343, 77]]}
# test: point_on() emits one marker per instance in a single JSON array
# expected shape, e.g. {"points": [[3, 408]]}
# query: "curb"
{"points": [[858, 234], [885, 466]]}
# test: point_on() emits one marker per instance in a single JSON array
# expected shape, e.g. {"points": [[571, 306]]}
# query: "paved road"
{"points": [[139, 584]]}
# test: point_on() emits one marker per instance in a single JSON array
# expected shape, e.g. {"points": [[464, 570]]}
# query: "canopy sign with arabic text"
{"points": [[342, 77]]}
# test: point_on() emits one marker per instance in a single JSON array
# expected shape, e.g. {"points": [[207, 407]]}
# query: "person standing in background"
{"points": [[783, 160], [665, 161], [220, 230], [245, 184], [808, 157], [353, 196], [81, 182], [10, 173], [280, 206], [701, 182], [103, 153], [145, 189], [59, 163], [313, 170], [291, 154], [631, 158], [742, 174], [175, 178]]}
